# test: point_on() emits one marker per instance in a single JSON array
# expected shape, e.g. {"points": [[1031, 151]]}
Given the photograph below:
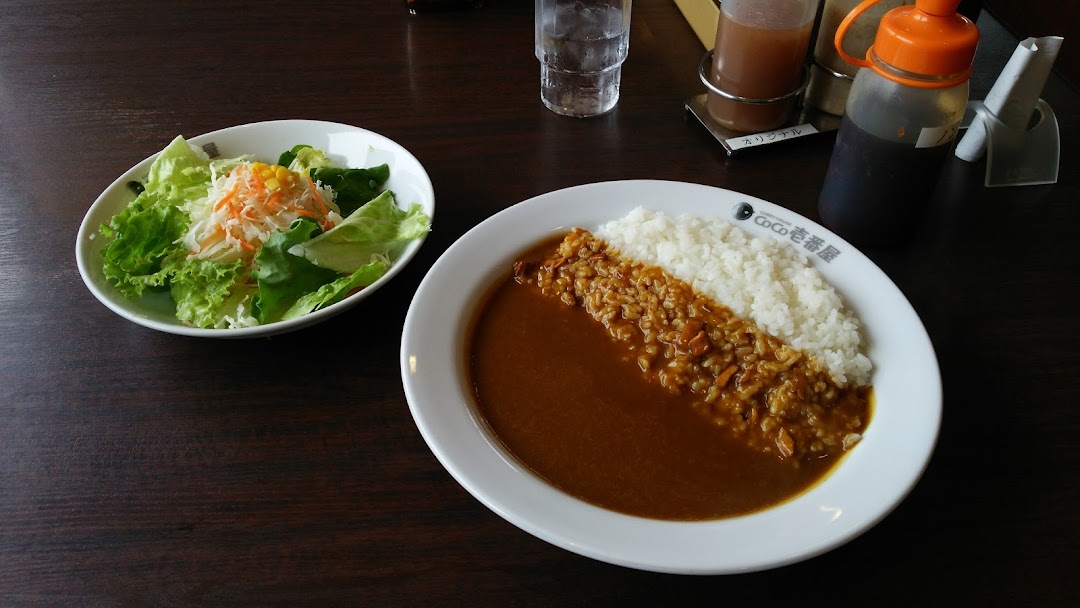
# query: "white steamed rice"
{"points": [[767, 282]]}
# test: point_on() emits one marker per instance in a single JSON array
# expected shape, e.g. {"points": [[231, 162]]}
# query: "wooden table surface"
{"points": [[143, 468]]}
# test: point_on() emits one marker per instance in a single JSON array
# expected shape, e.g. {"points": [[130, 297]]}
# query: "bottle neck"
{"points": [[911, 79]]}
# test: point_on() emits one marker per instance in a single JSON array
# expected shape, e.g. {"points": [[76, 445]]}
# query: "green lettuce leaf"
{"points": [[306, 158], [283, 277], [378, 229], [144, 234], [352, 187], [286, 157], [205, 292], [336, 291], [179, 173]]}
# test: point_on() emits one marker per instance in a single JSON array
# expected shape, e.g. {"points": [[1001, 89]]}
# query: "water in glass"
{"points": [[581, 47]]}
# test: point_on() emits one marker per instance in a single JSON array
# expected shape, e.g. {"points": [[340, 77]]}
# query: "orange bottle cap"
{"points": [[929, 41]]}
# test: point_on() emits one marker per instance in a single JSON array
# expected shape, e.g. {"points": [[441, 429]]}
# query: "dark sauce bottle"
{"points": [[876, 190], [903, 112]]}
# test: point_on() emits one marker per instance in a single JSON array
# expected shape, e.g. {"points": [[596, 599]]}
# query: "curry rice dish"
{"points": [[625, 386]]}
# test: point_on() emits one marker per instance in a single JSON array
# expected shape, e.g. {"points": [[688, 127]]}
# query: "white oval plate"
{"points": [[347, 146], [871, 480]]}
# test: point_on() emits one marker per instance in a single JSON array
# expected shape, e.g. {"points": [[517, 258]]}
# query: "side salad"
{"points": [[238, 242]]}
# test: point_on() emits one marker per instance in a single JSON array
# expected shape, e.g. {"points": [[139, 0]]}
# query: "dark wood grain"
{"points": [[1044, 18], [140, 468]]}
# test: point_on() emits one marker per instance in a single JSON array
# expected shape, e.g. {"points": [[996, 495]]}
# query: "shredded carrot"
{"points": [[318, 197], [260, 185], [273, 200], [218, 232], [240, 239], [231, 194]]}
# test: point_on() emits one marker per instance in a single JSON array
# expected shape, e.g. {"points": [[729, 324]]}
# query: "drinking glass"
{"points": [[581, 45]]}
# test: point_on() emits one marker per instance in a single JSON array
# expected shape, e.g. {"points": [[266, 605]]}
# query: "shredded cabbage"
{"points": [[243, 208]]}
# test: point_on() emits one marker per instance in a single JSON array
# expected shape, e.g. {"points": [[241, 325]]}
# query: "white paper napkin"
{"points": [[1013, 96]]}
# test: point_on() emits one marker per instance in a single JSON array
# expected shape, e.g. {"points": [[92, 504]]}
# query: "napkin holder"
{"points": [[1019, 157]]}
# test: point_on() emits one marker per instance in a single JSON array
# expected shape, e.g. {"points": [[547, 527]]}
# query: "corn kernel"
{"points": [[258, 167], [282, 173], [272, 183]]}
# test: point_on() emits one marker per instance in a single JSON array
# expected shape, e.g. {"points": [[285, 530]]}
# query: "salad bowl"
{"points": [[345, 145]]}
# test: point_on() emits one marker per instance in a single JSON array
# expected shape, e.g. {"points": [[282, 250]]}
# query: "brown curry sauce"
{"points": [[572, 404]]}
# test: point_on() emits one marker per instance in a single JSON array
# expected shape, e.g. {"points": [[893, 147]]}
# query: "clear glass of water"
{"points": [[581, 45]]}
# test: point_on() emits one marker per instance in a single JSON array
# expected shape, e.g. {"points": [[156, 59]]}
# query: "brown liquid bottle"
{"points": [[759, 54]]}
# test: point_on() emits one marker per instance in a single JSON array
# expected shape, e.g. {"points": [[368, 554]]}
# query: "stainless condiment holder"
{"points": [[807, 121]]}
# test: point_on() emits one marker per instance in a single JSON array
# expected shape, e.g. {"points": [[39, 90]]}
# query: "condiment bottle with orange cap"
{"points": [[902, 114]]}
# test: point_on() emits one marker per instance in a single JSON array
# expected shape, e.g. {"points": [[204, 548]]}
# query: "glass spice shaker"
{"points": [[830, 75]]}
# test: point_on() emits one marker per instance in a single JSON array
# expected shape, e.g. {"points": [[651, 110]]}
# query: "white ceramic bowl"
{"points": [[868, 483], [347, 146]]}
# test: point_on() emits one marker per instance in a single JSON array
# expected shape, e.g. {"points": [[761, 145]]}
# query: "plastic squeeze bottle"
{"points": [[902, 114]]}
